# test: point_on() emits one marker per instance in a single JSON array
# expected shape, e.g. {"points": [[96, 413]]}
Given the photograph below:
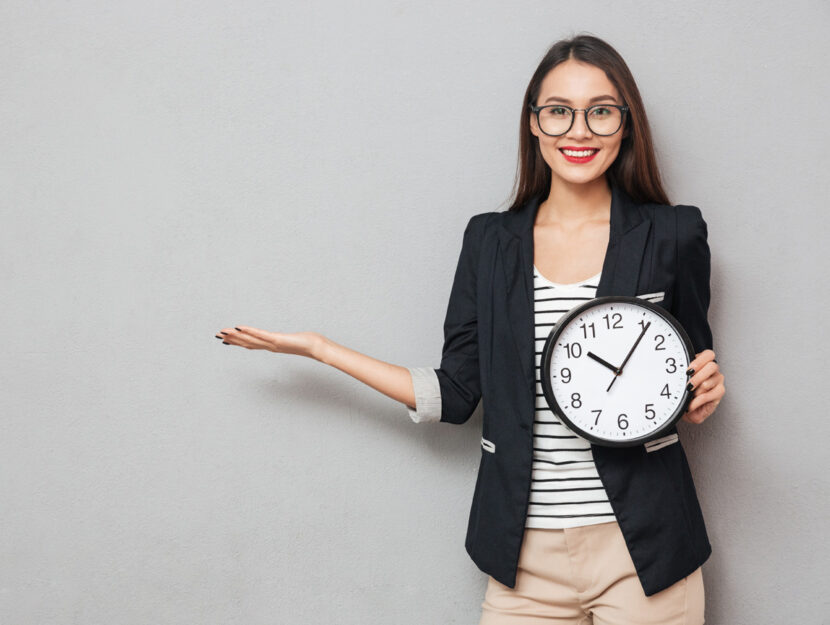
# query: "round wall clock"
{"points": [[614, 370]]}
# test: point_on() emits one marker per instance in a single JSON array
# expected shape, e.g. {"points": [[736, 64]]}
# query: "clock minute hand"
{"points": [[631, 351], [603, 362]]}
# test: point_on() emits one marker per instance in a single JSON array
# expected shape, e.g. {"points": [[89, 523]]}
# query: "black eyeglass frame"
{"points": [[623, 111]]}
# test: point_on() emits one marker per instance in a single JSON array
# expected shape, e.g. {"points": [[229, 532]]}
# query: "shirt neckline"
{"points": [[538, 275]]}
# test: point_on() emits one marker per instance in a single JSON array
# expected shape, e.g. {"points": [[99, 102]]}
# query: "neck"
{"points": [[574, 203]]}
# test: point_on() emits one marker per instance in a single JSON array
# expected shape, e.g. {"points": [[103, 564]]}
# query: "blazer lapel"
{"points": [[629, 228]]}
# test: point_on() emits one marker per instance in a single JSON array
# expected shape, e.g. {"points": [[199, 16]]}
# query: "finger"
{"points": [[707, 377], [700, 414], [714, 394], [244, 339], [700, 359]]}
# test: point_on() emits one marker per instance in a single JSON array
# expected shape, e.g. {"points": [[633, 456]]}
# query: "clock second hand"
{"points": [[631, 351]]}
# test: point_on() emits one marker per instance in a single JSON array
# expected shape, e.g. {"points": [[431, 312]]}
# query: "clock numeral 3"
{"points": [[673, 365]]}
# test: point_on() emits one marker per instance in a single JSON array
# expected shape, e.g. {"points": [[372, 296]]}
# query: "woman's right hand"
{"points": [[300, 343]]}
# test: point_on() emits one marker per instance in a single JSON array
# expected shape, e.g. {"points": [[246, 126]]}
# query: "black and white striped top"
{"points": [[566, 490]]}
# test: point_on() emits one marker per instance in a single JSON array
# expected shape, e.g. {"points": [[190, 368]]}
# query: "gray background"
{"points": [[169, 169]]}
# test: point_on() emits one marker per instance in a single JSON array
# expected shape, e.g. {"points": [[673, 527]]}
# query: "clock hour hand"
{"points": [[631, 351], [603, 362]]}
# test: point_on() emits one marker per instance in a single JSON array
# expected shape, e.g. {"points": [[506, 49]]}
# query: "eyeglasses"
{"points": [[602, 119]]}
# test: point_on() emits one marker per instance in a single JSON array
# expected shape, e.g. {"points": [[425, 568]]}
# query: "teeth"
{"points": [[579, 152]]}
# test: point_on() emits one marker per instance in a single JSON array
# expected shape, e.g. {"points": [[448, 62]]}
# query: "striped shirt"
{"points": [[566, 490]]}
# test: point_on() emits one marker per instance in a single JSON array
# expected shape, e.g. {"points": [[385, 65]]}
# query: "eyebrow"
{"points": [[594, 99]]}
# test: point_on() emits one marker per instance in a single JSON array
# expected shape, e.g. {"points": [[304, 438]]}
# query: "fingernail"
{"points": [[235, 328], [690, 371], [225, 333], [218, 337], [690, 387], [225, 342]]}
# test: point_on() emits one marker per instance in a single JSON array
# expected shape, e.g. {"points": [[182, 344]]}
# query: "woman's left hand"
{"points": [[708, 388]]}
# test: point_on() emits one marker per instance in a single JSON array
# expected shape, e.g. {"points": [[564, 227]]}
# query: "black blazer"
{"points": [[488, 355]]}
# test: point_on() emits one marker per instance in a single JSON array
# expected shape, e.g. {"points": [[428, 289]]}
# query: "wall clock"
{"points": [[614, 370]]}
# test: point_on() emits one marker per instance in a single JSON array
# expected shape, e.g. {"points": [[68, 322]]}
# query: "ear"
{"points": [[533, 127]]}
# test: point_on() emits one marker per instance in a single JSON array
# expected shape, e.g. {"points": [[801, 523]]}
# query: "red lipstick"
{"points": [[578, 159]]}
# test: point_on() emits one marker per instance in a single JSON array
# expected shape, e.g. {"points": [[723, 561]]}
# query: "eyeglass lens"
{"points": [[602, 120]]}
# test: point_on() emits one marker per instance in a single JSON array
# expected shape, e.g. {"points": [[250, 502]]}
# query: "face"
{"points": [[578, 85]]}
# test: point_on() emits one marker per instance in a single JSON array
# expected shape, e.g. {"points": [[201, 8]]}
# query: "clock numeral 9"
{"points": [[660, 340], [651, 410], [585, 330], [622, 422], [617, 319], [673, 365], [576, 400], [574, 350], [566, 374]]}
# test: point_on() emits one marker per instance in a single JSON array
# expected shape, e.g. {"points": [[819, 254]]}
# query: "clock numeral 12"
{"points": [[617, 319]]}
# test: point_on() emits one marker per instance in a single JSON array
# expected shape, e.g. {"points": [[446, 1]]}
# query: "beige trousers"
{"points": [[585, 576]]}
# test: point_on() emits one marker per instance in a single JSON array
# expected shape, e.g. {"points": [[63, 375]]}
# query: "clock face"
{"points": [[614, 370]]}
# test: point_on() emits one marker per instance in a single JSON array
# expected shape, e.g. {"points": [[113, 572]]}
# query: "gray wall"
{"points": [[169, 169]]}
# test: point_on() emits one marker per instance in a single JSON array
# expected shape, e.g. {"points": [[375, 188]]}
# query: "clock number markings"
{"points": [[617, 319], [599, 412], [673, 365], [651, 410], [585, 330], [574, 350], [661, 339], [566, 375], [622, 421]]}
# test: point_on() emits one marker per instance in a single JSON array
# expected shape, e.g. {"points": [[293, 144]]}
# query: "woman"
{"points": [[568, 532]]}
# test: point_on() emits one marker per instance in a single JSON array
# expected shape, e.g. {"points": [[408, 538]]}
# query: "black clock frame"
{"points": [[547, 354]]}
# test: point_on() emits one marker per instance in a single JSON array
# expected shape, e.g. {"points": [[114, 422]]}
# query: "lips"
{"points": [[577, 154]]}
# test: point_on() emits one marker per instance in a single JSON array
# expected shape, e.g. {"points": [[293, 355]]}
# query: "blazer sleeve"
{"points": [[458, 376], [693, 268], [451, 392]]}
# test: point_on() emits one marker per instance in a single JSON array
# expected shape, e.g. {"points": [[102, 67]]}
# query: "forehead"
{"points": [[576, 81]]}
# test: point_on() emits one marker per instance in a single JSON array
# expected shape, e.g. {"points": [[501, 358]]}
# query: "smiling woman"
{"points": [[567, 531]]}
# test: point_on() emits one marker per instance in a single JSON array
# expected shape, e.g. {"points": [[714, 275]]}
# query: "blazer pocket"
{"points": [[488, 445], [655, 297], [659, 443]]}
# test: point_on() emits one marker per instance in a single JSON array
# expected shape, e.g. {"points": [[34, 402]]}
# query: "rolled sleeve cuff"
{"points": [[427, 395]]}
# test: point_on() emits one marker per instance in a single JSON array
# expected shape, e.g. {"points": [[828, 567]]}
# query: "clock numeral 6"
{"points": [[673, 365], [622, 421], [576, 400], [660, 340], [574, 350], [566, 374], [651, 410]]}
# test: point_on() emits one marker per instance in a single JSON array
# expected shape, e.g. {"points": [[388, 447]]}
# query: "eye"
{"points": [[556, 111], [600, 111]]}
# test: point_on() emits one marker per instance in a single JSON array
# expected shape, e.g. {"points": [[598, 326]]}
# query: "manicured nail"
{"points": [[690, 371], [225, 342], [218, 337], [235, 328], [225, 333], [690, 387]]}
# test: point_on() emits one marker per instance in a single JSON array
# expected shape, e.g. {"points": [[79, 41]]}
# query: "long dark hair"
{"points": [[635, 168]]}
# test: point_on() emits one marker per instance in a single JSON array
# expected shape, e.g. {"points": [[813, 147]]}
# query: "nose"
{"points": [[579, 129]]}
